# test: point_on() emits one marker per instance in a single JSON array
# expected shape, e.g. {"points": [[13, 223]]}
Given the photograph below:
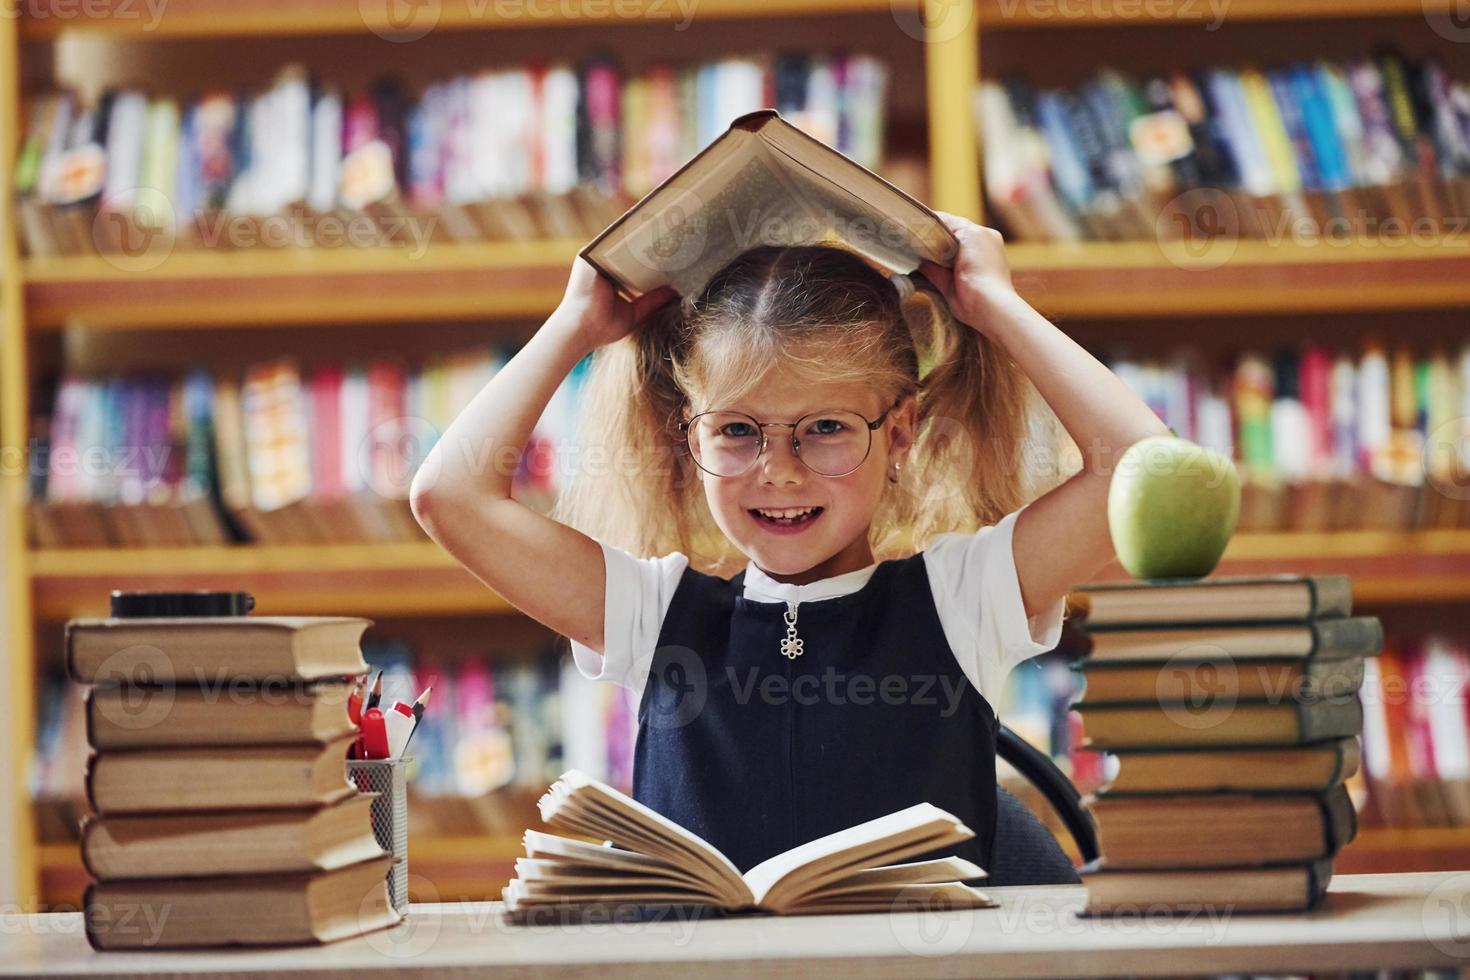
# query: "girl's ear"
{"points": [[902, 427]]}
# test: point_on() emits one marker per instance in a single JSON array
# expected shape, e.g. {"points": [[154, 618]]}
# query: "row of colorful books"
{"points": [[535, 150], [1371, 145], [1326, 437], [1416, 733], [511, 722], [277, 454]]}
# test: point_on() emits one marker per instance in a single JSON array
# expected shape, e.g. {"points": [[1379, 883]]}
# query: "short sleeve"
{"points": [[978, 597], [638, 594]]}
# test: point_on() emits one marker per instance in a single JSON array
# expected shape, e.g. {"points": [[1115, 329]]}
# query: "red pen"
{"points": [[374, 734], [354, 701]]}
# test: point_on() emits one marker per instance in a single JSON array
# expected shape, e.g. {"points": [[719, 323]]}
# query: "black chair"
{"points": [[1025, 852]]}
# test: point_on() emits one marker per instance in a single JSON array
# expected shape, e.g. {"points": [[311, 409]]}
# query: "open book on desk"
{"points": [[648, 860]]}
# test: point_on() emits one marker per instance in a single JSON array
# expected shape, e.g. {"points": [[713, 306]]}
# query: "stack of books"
{"points": [[1233, 706], [223, 813]]}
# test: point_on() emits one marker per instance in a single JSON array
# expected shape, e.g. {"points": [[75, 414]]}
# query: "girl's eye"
{"points": [[825, 427], [737, 430]]}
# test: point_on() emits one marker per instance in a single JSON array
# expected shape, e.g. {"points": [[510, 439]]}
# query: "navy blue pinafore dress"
{"points": [[757, 752]]}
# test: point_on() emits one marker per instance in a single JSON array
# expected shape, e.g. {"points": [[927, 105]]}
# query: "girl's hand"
{"points": [[980, 273], [593, 308]]}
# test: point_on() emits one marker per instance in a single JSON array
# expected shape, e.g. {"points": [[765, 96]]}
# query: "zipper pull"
{"points": [[791, 645]]}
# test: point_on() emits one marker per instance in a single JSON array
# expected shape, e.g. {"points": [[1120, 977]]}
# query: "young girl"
{"points": [[740, 544]]}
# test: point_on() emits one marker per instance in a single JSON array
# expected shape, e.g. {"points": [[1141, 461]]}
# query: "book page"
{"points": [[912, 830], [586, 805]]}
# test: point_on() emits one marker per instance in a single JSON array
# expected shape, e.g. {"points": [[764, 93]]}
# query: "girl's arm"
{"points": [[1061, 539], [461, 493]]}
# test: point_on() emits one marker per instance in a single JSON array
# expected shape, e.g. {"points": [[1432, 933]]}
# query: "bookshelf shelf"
{"points": [[299, 285], [49, 19], [506, 280], [1040, 14], [1151, 279], [380, 579], [421, 579]]}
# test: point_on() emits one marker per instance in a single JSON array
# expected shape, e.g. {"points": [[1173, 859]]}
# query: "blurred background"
{"points": [[257, 253]]}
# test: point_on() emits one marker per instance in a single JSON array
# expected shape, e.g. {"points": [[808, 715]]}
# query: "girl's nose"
{"points": [[780, 464]]}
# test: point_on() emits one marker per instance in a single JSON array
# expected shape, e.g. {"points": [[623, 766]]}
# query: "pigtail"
{"points": [[634, 487], [970, 465]]}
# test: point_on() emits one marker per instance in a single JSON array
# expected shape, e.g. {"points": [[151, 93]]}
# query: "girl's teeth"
{"points": [[789, 516]]}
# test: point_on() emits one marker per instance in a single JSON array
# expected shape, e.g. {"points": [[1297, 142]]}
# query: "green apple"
{"points": [[1172, 506]]}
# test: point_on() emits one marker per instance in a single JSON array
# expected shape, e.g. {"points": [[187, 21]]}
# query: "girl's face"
{"points": [[833, 539]]}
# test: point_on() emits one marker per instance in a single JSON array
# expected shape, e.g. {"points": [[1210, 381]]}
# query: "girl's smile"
{"points": [[786, 520]]}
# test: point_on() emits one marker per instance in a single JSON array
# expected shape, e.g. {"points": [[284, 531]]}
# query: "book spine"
{"points": [[73, 669], [87, 829]]}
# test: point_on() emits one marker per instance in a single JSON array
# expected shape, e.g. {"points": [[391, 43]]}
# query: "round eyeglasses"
{"points": [[832, 442]]}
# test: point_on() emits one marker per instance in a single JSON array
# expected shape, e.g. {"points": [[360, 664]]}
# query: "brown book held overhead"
{"points": [[249, 910], [1309, 769], [1222, 830], [207, 650], [1293, 888], [763, 182], [1117, 727], [229, 778], [124, 716], [652, 861], [201, 845], [1228, 599]]}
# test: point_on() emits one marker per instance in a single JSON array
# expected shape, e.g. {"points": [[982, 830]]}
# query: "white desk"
{"points": [[1368, 921]]}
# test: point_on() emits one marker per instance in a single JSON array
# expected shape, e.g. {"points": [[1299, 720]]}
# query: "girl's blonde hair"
{"points": [[817, 314]]}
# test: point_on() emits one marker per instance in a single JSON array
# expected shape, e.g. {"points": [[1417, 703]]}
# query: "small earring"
{"points": [[893, 477]]}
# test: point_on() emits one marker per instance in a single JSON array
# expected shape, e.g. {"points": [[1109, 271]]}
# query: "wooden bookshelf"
{"points": [[1108, 280], [398, 579], [49, 19], [1096, 280], [348, 286], [336, 579], [299, 286], [1042, 14]]}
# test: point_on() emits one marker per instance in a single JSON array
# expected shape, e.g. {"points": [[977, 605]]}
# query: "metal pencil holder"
{"points": [[387, 778]]}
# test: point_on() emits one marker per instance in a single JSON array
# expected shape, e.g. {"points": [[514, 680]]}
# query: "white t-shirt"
{"points": [[972, 577]]}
